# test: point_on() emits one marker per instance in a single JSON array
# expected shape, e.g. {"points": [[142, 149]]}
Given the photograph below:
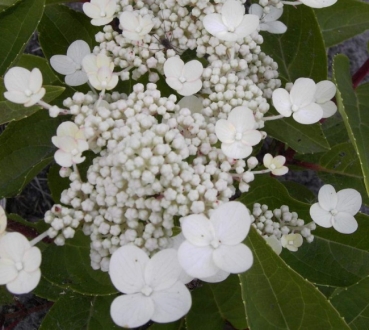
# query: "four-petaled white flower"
{"points": [[151, 286], [336, 209], [71, 142], [101, 11], [70, 65], [237, 133], [3, 222], [99, 70], [24, 86], [184, 78], [292, 241], [318, 3], [19, 263], [134, 26], [325, 91], [299, 102], [275, 164], [232, 24], [214, 247], [268, 22]]}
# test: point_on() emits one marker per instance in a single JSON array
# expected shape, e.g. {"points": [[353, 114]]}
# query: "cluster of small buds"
{"points": [[63, 221], [282, 225], [270, 3]]}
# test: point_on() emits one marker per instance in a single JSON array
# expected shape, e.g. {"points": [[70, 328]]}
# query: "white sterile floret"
{"points": [[237, 133], [24, 86], [99, 70], [184, 78], [135, 27], [151, 287], [336, 209], [275, 164], [299, 102], [268, 22], [214, 246], [101, 11], [292, 241], [274, 243], [318, 3], [232, 24], [3, 222], [71, 142], [325, 91], [70, 65], [19, 263]]}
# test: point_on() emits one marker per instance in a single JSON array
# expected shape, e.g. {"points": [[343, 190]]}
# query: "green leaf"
{"points": [[300, 52], [6, 297], [353, 304], [47, 290], [78, 312], [4, 4], [278, 298], [213, 304], [69, 267], [178, 325], [354, 113], [17, 26], [301, 138], [25, 148], [298, 191], [335, 131], [343, 20], [56, 183]]}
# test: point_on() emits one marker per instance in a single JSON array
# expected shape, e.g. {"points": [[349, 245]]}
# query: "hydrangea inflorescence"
{"points": [[164, 161]]}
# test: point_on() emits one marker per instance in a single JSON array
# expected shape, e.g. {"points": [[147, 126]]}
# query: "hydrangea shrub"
{"points": [[168, 126]]}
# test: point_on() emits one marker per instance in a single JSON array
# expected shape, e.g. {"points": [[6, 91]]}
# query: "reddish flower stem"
{"points": [[360, 74]]}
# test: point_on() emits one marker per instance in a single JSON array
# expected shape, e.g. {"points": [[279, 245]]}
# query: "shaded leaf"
{"points": [[25, 148], [77, 312], [4, 4], [56, 183], [17, 26], [278, 298], [354, 114], [300, 52], [343, 20], [69, 267], [178, 325], [6, 297], [47, 290]]}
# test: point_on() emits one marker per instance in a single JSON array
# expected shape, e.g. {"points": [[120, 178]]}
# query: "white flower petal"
{"points": [[280, 171], [129, 21], [35, 98], [327, 197], [89, 64], [67, 128], [190, 88], [220, 276], [62, 64], [110, 7], [197, 261], [25, 282], [17, 79], [126, 268], [214, 25], [16, 97], [303, 92], [236, 150], [174, 83], [273, 14], [171, 304], [32, 259], [348, 200], [191, 102], [63, 158], [162, 270], [325, 91], [329, 109], [282, 102], [279, 161], [274, 27], [197, 229], [78, 50], [225, 131], [91, 10], [3, 220], [173, 67], [309, 114], [231, 222], [248, 25], [267, 160], [131, 311], [320, 216], [251, 137], [256, 9], [234, 259], [13, 246], [8, 272], [101, 21], [242, 118], [345, 223], [274, 243], [318, 3], [77, 78], [192, 70], [232, 13], [35, 80]]}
